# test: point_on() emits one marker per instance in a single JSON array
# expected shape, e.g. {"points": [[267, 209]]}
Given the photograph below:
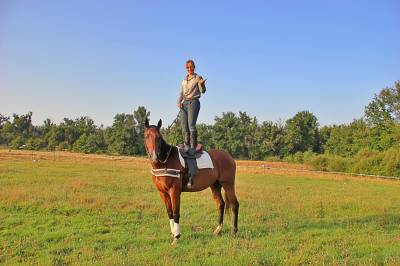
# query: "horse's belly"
{"points": [[204, 179]]}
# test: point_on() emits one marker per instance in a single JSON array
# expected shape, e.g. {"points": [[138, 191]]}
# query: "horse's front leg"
{"points": [[167, 200], [175, 195]]}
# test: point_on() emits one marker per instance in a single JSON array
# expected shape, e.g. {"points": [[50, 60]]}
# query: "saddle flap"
{"points": [[203, 159]]}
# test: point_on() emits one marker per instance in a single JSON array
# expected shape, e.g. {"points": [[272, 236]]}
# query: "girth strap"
{"points": [[166, 172]]}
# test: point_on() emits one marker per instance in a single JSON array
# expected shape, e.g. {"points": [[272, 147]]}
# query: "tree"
{"points": [[140, 115], [121, 137], [205, 133], [384, 109], [302, 133], [22, 125], [324, 135], [17, 132], [3, 120], [348, 140], [226, 136], [92, 143], [271, 137], [173, 134]]}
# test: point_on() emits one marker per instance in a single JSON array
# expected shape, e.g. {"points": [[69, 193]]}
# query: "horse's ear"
{"points": [[146, 123], [159, 124]]}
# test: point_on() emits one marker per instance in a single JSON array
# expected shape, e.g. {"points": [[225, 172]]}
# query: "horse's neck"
{"points": [[165, 150]]}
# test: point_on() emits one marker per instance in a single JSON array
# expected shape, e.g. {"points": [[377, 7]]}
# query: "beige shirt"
{"points": [[191, 89]]}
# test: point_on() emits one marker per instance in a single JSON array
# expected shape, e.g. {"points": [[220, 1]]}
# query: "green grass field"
{"points": [[78, 209]]}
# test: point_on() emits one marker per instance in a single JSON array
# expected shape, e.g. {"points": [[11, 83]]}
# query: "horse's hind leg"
{"points": [[219, 200], [232, 203]]}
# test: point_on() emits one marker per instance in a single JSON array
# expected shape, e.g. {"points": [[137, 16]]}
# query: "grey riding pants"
{"points": [[189, 113]]}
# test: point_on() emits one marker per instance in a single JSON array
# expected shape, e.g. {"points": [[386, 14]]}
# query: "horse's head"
{"points": [[152, 140]]}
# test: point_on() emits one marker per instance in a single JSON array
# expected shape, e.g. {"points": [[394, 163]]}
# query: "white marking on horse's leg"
{"points": [[171, 224], [218, 230], [174, 242], [177, 228]]}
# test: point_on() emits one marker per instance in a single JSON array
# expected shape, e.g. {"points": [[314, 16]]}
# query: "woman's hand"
{"points": [[179, 105], [202, 81]]}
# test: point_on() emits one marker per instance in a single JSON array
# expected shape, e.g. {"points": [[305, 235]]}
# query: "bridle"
{"points": [[158, 141]]}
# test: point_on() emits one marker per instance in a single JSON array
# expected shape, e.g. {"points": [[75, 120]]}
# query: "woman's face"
{"points": [[190, 68]]}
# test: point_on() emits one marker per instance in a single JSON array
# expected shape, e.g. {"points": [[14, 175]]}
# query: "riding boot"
{"points": [[190, 181], [193, 143], [186, 141]]}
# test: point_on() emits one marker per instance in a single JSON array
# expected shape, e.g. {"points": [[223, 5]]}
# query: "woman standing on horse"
{"points": [[192, 87]]}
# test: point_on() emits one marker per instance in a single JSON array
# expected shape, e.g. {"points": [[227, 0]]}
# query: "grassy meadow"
{"points": [[73, 209]]}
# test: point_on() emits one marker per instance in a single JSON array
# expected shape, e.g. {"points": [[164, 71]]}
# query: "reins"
{"points": [[175, 120], [168, 154]]}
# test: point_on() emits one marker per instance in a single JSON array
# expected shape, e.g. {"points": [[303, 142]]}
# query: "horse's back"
{"points": [[224, 165]]}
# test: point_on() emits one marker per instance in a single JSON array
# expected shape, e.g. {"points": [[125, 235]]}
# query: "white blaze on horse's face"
{"points": [[154, 156]]}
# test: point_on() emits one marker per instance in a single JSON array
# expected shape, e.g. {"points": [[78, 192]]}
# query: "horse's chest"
{"points": [[163, 184]]}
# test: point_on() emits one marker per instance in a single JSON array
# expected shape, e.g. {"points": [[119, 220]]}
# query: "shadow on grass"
{"points": [[387, 221]]}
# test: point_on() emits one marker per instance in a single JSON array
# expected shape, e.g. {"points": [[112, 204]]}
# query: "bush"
{"points": [[391, 162], [88, 144], [298, 157], [338, 164], [319, 163], [17, 142], [294, 158], [35, 144], [368, 162], [308, 156], [272, 159], [63, 146]]}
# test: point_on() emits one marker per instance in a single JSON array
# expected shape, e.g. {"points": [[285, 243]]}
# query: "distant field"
{"points": [[65, 208]]}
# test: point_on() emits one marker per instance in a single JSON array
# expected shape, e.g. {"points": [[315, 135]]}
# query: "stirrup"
{"points": [[190, 183]]}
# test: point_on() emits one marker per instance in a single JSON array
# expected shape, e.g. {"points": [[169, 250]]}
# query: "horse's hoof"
{"points": [[174, 242], [218, 230], [234, 231]]}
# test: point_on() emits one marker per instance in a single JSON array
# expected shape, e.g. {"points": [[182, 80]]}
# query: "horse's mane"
{"points": [[165, 147]]}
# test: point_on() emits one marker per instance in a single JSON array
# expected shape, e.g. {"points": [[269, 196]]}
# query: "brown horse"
{"points": [[170, 183]]}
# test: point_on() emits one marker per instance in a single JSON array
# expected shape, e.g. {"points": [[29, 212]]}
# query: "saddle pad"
{"points": [[204, 161]]}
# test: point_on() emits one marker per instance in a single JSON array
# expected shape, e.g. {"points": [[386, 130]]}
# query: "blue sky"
{"points": [[269, 58]]}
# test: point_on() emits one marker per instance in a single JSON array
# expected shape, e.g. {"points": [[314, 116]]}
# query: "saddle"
{"points": [[191, 168], [199, 150]]}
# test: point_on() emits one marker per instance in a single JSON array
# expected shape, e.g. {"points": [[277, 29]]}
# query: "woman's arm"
{"points": [[180, 98], [202, 84]]}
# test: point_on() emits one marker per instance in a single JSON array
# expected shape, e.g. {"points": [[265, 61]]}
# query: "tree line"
{"points": [[370, 144]]}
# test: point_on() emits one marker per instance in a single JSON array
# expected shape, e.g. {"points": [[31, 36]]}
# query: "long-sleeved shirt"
{"points": [[191, 88]]}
